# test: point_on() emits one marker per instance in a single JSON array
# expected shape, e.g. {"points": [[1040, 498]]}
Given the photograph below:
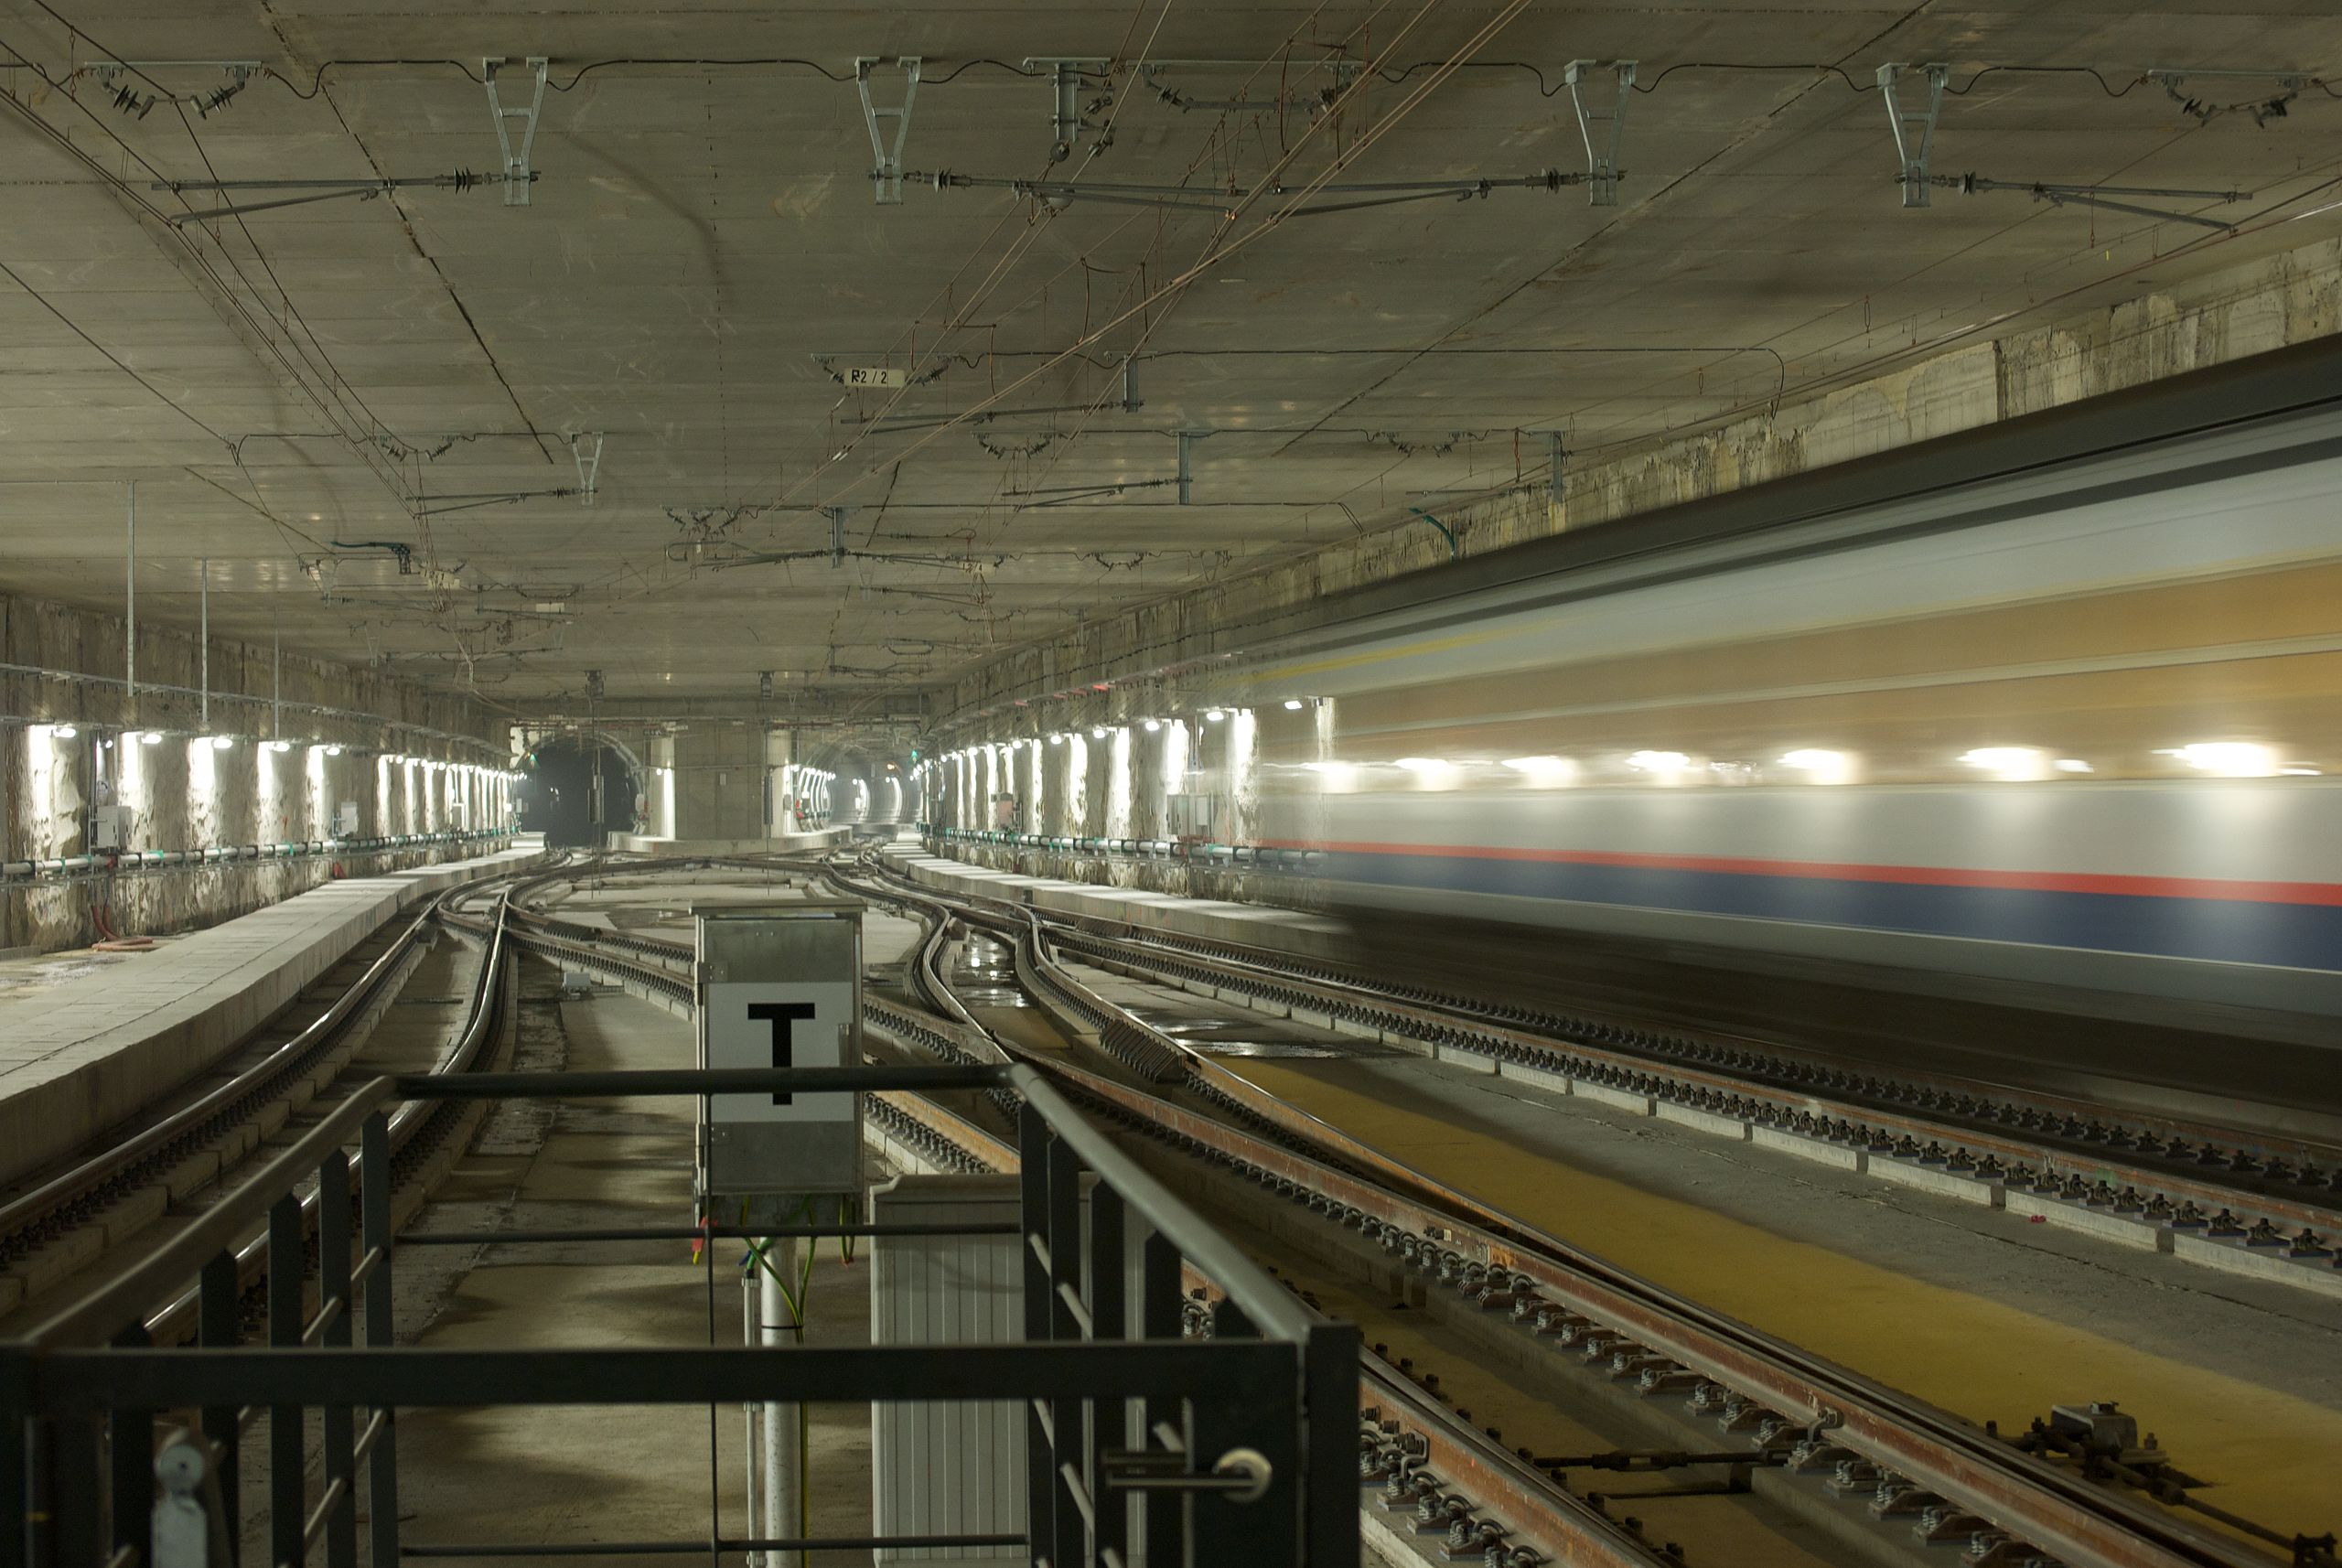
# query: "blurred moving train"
{"points": [[2071, 729]]}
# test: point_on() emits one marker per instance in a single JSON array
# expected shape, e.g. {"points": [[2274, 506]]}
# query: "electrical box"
{"points": [[953, 1467], [780, 985], [344, 820], [1194, 817], [110, 827]]}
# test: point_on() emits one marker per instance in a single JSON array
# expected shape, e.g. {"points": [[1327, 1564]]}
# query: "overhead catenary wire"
{"points": [[1216, 251], [1203, 199], [330, 369], [1213, 251], [291, 312], [262, 330], [646, 62], [1334, 106], [2114, 86], [1000, 269], [965, 312]]}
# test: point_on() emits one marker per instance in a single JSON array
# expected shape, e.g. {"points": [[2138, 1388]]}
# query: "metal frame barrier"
{"points": [[1240, 1447]]}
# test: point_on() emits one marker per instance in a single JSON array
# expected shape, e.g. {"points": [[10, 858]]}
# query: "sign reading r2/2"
{"points": [[873, 376], [780, 1024]]}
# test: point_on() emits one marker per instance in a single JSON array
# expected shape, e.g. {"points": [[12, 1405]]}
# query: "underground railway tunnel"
{"points": [[1151, 785]]}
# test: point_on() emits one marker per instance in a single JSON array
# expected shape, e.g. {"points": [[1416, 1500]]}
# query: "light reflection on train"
{"points": [[2085, 744]]}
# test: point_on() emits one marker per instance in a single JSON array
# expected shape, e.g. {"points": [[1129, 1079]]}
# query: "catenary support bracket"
{"points": [[837, 516], [1187, 439], [518, 175], [887, 150], [1067, 74], [2101, 195], [1604, 129], [589, 463], [1914, 128]]}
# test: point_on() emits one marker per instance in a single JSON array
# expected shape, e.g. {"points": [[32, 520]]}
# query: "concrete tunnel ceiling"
{"points": [[357, 414]]}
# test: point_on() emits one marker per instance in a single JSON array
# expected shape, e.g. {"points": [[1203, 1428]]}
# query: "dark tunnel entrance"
{"points": [[556, 793]]}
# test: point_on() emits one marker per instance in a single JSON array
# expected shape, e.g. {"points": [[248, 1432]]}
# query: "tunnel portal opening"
{"points": [[556, 793]]}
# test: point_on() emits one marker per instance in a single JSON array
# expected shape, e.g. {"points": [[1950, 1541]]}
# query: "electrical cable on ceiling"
{"points": [[319, 190], [651, 62], [331, 373], [260, 324], [1372, 193]]}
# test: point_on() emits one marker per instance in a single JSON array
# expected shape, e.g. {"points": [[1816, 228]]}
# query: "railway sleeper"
{"points": [[1970, 1174], [2063, 1124], [1610, 1370]]}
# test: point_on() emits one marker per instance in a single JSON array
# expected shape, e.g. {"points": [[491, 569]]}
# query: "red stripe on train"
{"points": [[2320, 892]]}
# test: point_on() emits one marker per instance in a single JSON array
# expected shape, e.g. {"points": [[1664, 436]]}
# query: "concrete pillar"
{"points": [[660, 808], [784, 1453], [720, 781], [1074, 786], [1241, 760], [781, 751]]}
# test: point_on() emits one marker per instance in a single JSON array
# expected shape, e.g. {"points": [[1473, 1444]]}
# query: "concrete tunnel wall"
{"points": [[2252, 308], [65, 667], [2248, 309], [1125, 784]]}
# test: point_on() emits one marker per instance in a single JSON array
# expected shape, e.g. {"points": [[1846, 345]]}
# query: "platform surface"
{"points": [[1258, 925], [777, 843], [80, 1053]]}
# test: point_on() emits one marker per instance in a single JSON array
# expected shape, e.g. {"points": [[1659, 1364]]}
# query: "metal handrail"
{"points": [[1276, 1311], [98, 1318], [1273, 1396], [213, 1233]]}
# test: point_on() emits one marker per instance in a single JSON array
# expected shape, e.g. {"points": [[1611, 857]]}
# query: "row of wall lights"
{"points": [[331, 748]]}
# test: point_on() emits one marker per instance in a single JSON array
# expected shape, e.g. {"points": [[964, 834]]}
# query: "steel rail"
{"points": [[1787, 1389], [2076, 1168], [2053, 1509], [1715, 1088], [121, 1166], [1395, 1412], [410, 1122], [1838, 1408], [174, 1137]]}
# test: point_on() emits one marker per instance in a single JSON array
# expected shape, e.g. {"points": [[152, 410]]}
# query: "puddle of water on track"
{"points": [[983, 975], [1252, 1037]]}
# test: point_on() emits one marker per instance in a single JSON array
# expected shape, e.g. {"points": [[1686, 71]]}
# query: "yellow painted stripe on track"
{"points": [[2272, 1457]]}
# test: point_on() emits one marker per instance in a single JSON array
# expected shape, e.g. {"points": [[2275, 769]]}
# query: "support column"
{"points": [[784, 1449], [779, 754]]}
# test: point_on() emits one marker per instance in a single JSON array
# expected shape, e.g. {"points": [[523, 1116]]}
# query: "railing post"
{"points": [[219, 1325], [130, 1449], [286, 1269], [73, 1489], [374, 1237], [1165, 1517], [1109, 1421], [1040, 1466], [15, 1458], [333, 1287], [1329, 1378], [1071, 1447], [1268, 1419]]}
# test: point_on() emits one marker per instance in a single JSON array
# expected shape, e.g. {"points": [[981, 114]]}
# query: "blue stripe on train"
{"points": [[2298, 936]]}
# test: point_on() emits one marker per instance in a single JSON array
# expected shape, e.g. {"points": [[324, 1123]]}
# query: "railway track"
{"points": [[1790, 1431], [2207, 1193], [68, 1223]]}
